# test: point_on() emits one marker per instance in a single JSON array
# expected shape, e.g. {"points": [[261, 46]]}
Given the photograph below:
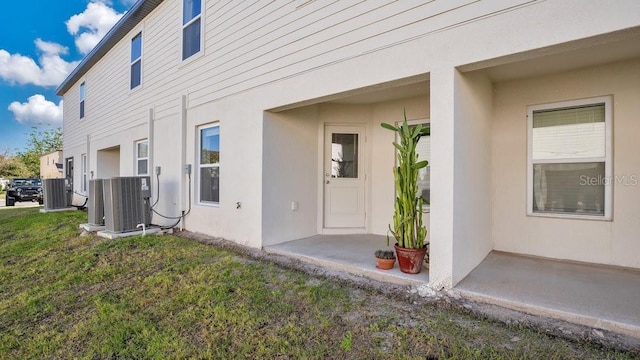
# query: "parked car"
{"points": [[24, 190]]}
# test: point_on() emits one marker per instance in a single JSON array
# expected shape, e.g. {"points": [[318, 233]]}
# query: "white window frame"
{"points": [[185, 25], [83, 95], [425, 207], [136, 60], [138, 157], [201, 166], [607, 159], [83, 166]]}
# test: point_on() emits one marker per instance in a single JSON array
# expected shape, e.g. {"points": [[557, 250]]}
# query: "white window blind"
{"points": [[423, 150], [569, 133], [568, 158], [424, 175]]}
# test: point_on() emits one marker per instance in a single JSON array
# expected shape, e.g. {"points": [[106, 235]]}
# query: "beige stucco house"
{"points": [[276, 107], [51, 165]]}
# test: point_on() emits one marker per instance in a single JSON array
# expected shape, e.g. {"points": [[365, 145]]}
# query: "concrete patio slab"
{"points": [[593, 295], [601, 297], [349, 253]]}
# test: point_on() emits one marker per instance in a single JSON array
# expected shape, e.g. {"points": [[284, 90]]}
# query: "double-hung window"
{"points": [[82, 100], [84, 172], [569, 159], [191, 27], [209, 164], [142, 157], [136, 61]]}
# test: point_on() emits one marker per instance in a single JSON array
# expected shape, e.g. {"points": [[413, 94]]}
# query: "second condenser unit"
{"points": [[126, 203], [56, 193], [95, 204]]}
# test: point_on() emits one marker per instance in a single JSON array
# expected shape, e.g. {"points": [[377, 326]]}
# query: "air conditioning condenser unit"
{"points": [[126, 203], [55, 193], [95, 205]]}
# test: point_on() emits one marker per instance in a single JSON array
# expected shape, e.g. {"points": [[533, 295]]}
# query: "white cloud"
{"points": [[50, 48], [20, 69], [90, 26], [37, 110]]}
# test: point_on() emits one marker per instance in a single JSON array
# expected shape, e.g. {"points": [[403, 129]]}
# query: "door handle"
{"points": [[327, 181]]}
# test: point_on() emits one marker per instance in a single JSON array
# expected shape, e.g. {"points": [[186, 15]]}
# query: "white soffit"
{"points": [[598, 50]]}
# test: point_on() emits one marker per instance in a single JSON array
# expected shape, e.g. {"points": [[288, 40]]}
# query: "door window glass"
{"points": [[344, 155]]}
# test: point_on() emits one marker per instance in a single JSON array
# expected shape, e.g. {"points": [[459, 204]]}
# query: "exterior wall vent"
{"points": [[96, 203], [126, 203], [55, 193]]}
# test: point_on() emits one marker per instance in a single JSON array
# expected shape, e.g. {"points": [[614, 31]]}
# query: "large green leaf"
{"points": [[420, 165], [389, 127]]}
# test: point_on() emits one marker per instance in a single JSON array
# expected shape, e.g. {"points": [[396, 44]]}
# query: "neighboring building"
{"points": [[51, 165], [4, 183], [276, 106]]}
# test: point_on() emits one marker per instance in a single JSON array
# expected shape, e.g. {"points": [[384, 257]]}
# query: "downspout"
{"points": [[183, 158], [87, 169], [150, 167]]}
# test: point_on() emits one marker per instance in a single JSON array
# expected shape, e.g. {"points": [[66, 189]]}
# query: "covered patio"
{"points": [[598, 296], [604, 297], [349, 253]]}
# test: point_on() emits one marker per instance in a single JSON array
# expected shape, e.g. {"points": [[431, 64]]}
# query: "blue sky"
{"points": [[41, 42]]}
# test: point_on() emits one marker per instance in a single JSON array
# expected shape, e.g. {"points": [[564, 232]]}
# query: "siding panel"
{"points": [[248, 44]]}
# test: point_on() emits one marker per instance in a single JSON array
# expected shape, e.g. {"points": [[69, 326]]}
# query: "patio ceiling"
{"points": [[597, 50], [387, 94], [393, 90]]}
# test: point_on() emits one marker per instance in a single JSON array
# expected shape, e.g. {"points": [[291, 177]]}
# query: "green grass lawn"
{"points": [[66, 296]]}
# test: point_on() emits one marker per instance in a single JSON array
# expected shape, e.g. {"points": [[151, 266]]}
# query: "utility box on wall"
{"points": [[126, 203]]}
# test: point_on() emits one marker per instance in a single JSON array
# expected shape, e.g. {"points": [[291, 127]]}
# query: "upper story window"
{"points": [[569, 155], [142, 157], [136, 61], [82, 100], [209, 164], [191, 27]]}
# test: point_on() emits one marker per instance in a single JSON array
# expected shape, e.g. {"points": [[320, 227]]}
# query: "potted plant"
{"points": [[385, 259], [409, 232]]}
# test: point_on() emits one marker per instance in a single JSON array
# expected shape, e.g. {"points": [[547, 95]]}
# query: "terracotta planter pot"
{"points": [[385, 264], [410, 260]]}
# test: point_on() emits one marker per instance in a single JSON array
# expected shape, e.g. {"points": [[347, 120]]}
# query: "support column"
{"points": [[473, 200], [461, 199], [442, 178]]}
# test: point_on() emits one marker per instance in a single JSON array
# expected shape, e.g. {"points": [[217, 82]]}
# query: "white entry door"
{"points": [[344, 177]]}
